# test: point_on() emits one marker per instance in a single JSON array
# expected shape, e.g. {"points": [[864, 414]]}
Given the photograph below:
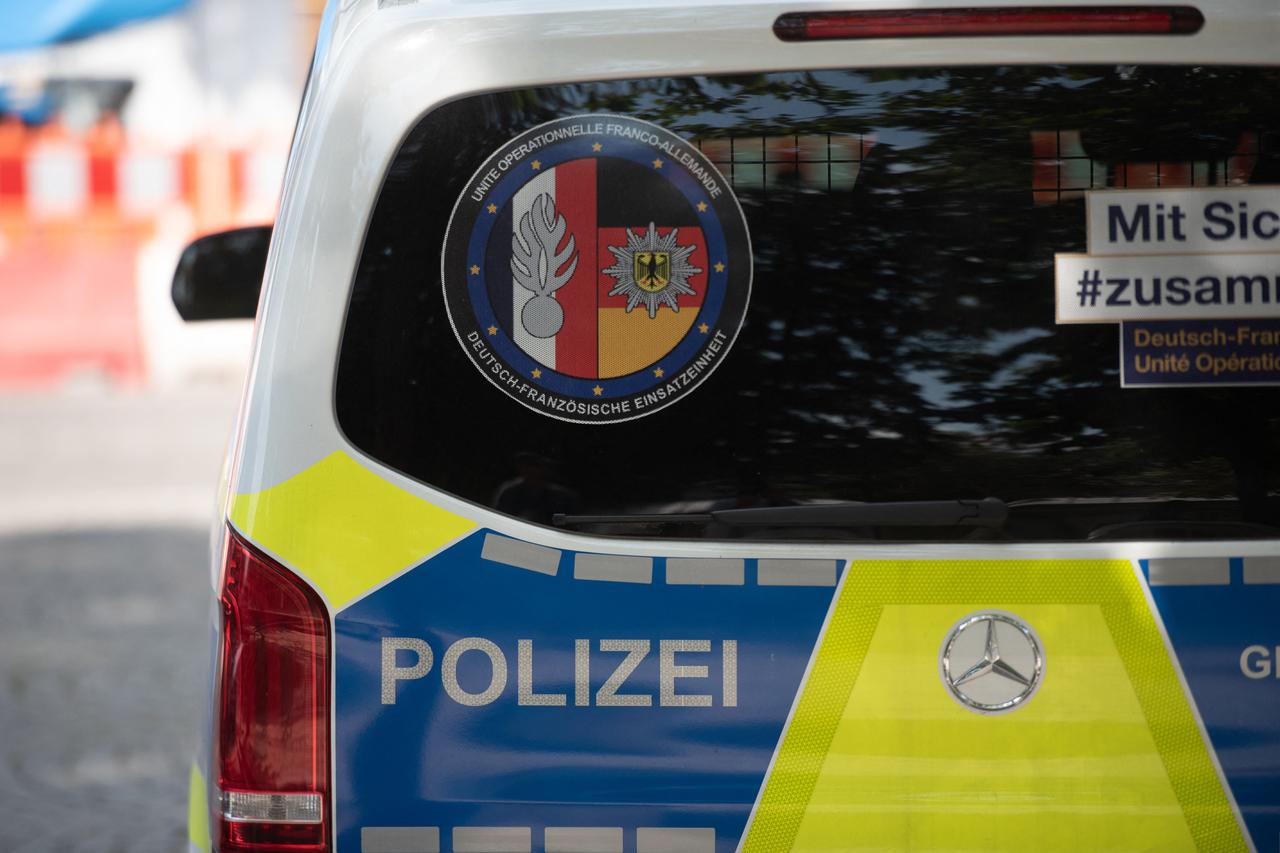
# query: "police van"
{"points": [[756, 426]]}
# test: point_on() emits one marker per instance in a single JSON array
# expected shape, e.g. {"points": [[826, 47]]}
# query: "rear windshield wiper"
{"points": [[988, 512]]}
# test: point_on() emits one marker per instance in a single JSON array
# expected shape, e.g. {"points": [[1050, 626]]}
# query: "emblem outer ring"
{"points": [[734, 296], [948, 677]]}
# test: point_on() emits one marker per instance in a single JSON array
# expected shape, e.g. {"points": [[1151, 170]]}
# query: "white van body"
{"points": [[1114, 752]]}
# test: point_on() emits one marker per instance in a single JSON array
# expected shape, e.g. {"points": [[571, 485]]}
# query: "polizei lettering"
{"points": [[613, 673]]}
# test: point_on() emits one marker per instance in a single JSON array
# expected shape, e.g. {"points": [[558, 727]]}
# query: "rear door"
{"points": [[595, 326]]}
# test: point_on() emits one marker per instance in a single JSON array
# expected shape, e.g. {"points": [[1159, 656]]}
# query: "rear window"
{"points": [[900, 341]]}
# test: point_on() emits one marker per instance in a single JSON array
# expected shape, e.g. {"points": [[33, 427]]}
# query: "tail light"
{"points": [[272, 744], [998, 21]]}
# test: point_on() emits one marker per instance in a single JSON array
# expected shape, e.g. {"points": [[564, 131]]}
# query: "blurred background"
{"points": [[127, 129]]}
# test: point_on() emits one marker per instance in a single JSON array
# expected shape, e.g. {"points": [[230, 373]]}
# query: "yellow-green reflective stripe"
{"points": [[344, 528], [198, 811], [1107, 756]]}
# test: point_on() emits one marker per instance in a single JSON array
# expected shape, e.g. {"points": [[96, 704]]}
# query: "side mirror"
{"points": [[219, 276]]}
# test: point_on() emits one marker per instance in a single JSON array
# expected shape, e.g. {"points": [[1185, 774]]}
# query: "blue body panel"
{"points": [[429, 756], [1210, 627], [429, 761]]}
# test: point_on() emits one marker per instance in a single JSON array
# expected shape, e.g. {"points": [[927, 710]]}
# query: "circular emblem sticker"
{"points": [[597, 268]]}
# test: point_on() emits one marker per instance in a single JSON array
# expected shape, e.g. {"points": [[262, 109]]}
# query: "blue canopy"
{"points": [[26, 24]]}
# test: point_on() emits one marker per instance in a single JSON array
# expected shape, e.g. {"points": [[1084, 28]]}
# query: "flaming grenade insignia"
{"points": [[653, 270], [538, 267]]}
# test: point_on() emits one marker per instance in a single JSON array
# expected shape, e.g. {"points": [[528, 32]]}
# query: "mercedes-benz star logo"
{"points": [[992, 662]]}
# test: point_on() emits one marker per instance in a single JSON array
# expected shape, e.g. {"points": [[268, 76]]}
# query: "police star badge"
{"points": [[652, 269]]}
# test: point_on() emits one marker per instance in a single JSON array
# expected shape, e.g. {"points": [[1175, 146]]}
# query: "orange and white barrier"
{"points": [[90, 228], [50, 175]]}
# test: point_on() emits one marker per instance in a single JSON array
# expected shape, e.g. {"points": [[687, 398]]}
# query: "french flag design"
{"points": [[570, 191]]}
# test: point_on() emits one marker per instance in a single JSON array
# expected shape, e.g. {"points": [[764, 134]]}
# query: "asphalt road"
{"points": [[105, 504]]}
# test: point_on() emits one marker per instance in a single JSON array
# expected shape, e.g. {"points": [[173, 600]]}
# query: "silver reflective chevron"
{"points": [[992, 662]]}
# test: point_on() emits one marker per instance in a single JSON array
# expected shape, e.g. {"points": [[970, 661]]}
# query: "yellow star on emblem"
{"points": [[493, 208], [702, 207], [704, 328], [475, 270], [657, 164], [596, 146], [537, 374], [719, 267], [597, 390], [493, 330], [657, 371], [537, 164]]}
